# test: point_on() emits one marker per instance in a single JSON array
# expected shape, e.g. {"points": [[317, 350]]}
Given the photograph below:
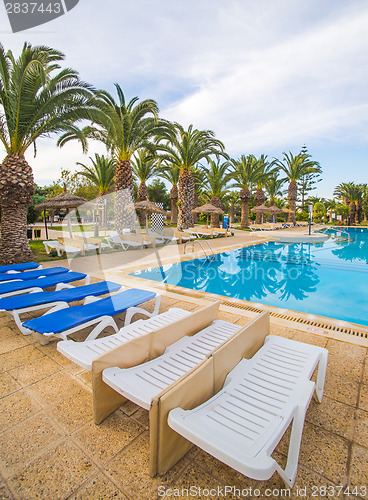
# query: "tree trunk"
{"points": [[142, 195], [195, 205], [358, 213], [124, 186], [215, 218], [174, 206], [232, 214], [293, 190], [352, 215], [186, 199], [244, 198], [16, 191], [259, 199]]}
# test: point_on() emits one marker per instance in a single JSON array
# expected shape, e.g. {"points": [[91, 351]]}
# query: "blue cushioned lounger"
{"points": [[19, 267], [31, 275], [19, 304], [58, 280], [63, 323]]}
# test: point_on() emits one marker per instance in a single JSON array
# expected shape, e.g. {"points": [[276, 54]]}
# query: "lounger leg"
{"points": [[135, 310], [321, 375], [104, 322], [289, 473]]}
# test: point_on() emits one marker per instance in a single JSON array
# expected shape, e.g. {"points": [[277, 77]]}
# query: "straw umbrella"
{"points": [[260, 208], [208, 209], [274, 210], [147, 207], [65, 200]]}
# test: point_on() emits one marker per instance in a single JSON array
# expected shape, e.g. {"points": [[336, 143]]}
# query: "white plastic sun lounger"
{"points": [[141, 383], [99, 314], [20, 304], [84, 353], [60, 281], [243, 423]]}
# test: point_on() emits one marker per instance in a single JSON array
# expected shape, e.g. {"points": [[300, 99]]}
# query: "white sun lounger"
{"points": [[243, 423], [84, 353], [141, 383], [60, 248]]}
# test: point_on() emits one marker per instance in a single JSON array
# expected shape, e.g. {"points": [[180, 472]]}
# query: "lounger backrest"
{"points": [[140, 350]]}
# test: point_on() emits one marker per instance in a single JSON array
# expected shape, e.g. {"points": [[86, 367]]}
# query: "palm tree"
{"points": [[198, 177], [273, 187], [216, 178], [144, 168], [184, 149], [295, 167], [349, 193], [245, 176], [264, 170], [37, 99], [124, 128], [233, 199], [102, 175], [171, 174]]}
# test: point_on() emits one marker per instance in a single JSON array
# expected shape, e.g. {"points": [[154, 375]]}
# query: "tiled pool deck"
{"points": [[50, 447]]}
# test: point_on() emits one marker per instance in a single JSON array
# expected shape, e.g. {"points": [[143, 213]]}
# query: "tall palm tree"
{"points": [[264, 170], [245, 177], [273, 187], [102, 175], [124, 127], [184, 149], [37, 98], [294, 167], [198, 189], [233, 200], [144, 168], [350, 193], [171, 173], [216, 178]]}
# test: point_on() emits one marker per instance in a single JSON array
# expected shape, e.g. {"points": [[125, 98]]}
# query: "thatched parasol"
{"points": [[260, 208], [287, 210], [148, 207], [274, 210], [64, 200], [208, 208]]}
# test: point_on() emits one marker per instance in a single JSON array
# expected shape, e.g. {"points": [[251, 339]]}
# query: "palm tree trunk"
{"points": [[186, 199], [259, 199], [358, 213], [244, 197], [16, 191], [232, 214], [195, 205], [174, 206], [215, 218], [293, 189], [124, 198], [142, 195], [352, 215]]}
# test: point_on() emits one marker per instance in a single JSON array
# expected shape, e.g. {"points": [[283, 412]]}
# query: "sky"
{"points": [[266, 76]]}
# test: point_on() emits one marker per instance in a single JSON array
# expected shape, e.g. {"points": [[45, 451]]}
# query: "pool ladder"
{"points": [[200, 244]]}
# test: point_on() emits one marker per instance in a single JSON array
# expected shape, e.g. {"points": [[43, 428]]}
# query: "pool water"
{"points": [[328, 279]]}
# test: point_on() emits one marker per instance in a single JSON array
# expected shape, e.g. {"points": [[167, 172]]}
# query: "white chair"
{"points": [[59, 247], [143, 382], [84, 353], [243, 423]]}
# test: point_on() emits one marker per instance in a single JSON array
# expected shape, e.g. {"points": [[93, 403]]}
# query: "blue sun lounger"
{"points": [[20, 304], [30, 275], [36, 285], [25, 266], [60, 324]]}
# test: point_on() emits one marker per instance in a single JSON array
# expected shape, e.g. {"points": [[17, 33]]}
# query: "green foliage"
{"points": [[144, 165], [75, 184], [39, 195], [157, 193], [319, 208], [216, 178], [101, 174]]}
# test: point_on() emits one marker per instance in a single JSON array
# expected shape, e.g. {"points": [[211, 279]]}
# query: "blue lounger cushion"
{"points": [[66, 319], [19, 267], [14, 286], [31, 275], [69, 295]]}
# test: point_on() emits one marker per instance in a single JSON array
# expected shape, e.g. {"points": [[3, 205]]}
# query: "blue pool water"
{"points": [[328, 279]]}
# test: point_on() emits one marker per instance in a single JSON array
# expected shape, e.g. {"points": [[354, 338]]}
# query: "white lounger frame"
{"points": [[243, 423], [84, 353]]}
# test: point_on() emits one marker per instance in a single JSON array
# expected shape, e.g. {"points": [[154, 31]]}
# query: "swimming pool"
{"points": [[328, 279]]}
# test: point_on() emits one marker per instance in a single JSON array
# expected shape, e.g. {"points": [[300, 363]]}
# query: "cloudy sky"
{"points": [[265, 76]]}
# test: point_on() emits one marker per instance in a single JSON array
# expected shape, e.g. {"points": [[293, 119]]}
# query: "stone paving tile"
{"points": [[129, 470], [345, 368], [342, 389], [361, 428], [7, 384], [365, 374], [5, 493], [27, 440], [105, 440], [15, 408], [332, 416], [36, 370], [363, 399], [19, 357], [346, 351], [309, 338], [55, 475], [72, 413], [359, 470], [11, 342], [99, 487]]}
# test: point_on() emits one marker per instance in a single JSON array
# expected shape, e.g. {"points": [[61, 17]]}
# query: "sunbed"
{"points": [[84, 353], [60, 247], [19, 304], [37, 285], [30, 275], [25, 266], [242, 424], [100, 313]]}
